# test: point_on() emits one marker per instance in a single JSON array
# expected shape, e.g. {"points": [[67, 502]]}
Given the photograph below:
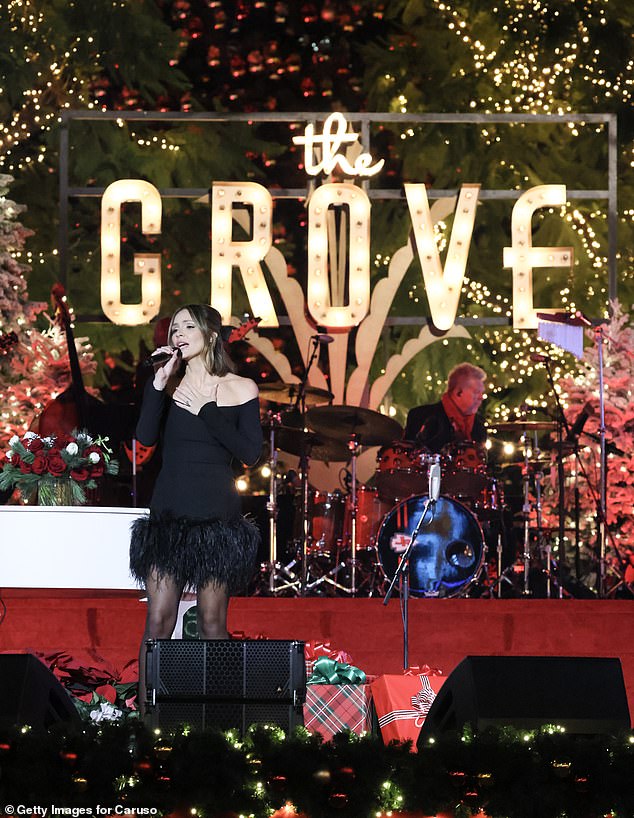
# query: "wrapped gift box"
{"points": [[330, 709], [402, 702], [313, 649]]}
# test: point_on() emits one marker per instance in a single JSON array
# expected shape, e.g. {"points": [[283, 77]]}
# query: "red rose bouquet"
{"points": [[35, 462]]}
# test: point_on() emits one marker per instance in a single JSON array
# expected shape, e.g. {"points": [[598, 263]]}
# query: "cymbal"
{"points": [[314, 445], [341, 422], [525, 426], [280, 392]]}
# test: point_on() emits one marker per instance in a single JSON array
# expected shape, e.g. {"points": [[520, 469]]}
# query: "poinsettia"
{"points": [[101, 691]]}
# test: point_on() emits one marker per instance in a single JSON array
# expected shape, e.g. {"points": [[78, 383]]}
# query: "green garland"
{"points": [[504, 772]]}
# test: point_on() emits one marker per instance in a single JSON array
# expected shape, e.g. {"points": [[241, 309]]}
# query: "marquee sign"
{"points": [[443, 283]]}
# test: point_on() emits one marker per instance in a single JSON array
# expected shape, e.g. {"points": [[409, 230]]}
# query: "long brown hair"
{"points": [[209, 322]]}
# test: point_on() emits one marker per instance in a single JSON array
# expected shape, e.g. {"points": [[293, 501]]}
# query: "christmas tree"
{"points": [[34, 363]]}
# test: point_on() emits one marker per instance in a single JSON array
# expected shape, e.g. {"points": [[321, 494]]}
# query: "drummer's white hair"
{"points": [[462, 373]]}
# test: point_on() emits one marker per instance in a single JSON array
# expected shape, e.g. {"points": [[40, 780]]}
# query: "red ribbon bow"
{"points": [[425, 670]]}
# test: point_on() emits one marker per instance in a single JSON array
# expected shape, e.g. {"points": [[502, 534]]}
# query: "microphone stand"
{"points": [[602, 533], [402, 573], [599, 337], [562, 425], [402, 569]]}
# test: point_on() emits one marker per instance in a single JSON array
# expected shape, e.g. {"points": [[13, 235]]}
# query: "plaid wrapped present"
{"points": [[330, 709], [402, 702]]}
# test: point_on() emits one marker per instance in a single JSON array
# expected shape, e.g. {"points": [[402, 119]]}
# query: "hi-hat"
{"points": [[525, 426], [280, 392], [314, 445], [342, 422]]}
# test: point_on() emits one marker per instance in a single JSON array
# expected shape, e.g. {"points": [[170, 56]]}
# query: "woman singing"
{"points": [[195, 535]]}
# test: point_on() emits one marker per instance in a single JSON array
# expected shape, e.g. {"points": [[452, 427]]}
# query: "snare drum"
{"points": [[401, 471], [371, 511], [464, 470], [448, 553]]}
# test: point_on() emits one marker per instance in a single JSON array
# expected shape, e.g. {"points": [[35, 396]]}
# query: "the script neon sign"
{"points": [[330, 144]]}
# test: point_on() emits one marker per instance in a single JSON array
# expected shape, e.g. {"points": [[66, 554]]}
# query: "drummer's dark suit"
{"points": [[429, 426]]}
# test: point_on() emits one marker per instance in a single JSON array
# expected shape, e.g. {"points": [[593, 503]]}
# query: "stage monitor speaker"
{"points": [[30, 694], [584, 695], [225, 683]]}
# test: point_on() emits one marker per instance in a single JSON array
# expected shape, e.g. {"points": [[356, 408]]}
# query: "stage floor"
{"points": [[441, 631]]}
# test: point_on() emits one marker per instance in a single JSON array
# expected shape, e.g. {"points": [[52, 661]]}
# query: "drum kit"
{"points": [[348, 541]]}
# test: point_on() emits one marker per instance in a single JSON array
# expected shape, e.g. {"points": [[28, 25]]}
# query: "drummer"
{"points": [[454, 418]]}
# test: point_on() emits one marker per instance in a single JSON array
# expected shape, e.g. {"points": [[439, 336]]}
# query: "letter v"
{"points": [[443, 287]]}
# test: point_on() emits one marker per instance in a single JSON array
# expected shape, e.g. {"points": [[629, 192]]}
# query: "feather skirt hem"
{"points": [[194, 553]]}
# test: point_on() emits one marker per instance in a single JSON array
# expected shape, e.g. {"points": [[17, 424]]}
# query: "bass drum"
{"points": [[449, 551]]}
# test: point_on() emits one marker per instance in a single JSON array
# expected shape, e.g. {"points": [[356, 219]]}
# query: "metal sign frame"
{"points": [[364, 120]]}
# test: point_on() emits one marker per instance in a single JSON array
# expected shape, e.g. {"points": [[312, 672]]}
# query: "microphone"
{"points": [[322, 338], [434, 482], [540, 359], [583, 318], [158, 358]]}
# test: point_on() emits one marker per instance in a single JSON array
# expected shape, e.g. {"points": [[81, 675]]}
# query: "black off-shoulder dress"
{"points": [[195, 532]]}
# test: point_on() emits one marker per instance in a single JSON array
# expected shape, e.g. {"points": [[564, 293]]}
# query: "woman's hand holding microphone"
{"points": [[165, 368]]}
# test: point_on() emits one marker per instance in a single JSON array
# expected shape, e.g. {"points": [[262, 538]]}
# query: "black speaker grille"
{"points": [[268, 659], [226, 669], [225, 683]]}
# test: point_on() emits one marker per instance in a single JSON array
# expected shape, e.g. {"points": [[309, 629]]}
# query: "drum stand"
{"points": [[526, 514], [543, 543], [280, 578], [353, 445]]}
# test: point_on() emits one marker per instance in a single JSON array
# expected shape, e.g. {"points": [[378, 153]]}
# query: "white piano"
{"points": [[66, 547]]}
